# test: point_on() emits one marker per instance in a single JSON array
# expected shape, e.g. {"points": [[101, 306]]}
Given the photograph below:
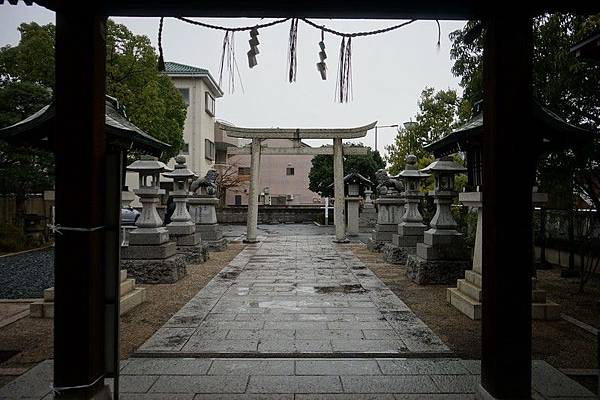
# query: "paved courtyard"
{"points": [[295, 295], [297, 317]]}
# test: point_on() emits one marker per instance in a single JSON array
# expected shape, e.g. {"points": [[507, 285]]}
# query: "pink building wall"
{"points": [[273, 175]]}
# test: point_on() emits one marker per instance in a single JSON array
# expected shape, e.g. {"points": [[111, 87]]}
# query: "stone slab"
{"points": [[406, 241], [148, 236], [452, 251], [181, 228], [148, 252], [196, 254], [424, 272], [188, 240], [167, 270], [397, 255]]}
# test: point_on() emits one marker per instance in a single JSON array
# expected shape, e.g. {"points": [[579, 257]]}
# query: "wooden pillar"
{"points": [[508, 172], [115, 180], [338, 188], [80, 157], [253, 193]]}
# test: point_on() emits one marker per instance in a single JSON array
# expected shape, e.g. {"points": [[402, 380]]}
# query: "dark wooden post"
{"points": [[508, 173], [80, 150]]}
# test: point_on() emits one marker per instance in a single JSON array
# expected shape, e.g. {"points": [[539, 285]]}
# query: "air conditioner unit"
{"points": [[290, 197]]}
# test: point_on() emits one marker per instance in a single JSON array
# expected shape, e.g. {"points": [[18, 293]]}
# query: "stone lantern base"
{"points": [[441, 259], [404, 243], [191, 247], [212, 236], [153, 263], [168, 270], [391, 210]]}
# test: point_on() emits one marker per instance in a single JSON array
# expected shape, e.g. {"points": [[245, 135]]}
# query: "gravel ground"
{"points": [[33, 337], [26, 275], [560, 343]]}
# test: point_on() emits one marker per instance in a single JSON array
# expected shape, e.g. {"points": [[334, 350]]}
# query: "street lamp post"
{"points": [[382, 126]]}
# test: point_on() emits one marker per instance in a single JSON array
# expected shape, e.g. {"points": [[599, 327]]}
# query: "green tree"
{"points": [[150, 98], [27, 84], [321, 173], [562, 82], [437, 116]]}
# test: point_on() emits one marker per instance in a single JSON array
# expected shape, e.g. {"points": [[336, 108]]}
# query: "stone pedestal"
{"points": [[150, 257], [368, 216], [391, 210], [441, 259], [353, 203], [204, 215], [467, 294], [443, 256]]}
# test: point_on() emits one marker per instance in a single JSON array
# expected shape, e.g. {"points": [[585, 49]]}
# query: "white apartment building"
{"points": [[199, 91]]}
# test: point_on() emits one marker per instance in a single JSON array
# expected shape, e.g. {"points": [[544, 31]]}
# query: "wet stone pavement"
{"points": [[294, 295], [296, 317]]}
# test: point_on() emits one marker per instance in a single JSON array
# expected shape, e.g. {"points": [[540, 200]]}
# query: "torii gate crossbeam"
{"points": [[258, 134]]}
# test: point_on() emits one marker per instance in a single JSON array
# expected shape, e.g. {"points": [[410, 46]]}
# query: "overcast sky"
{"points": [[389, 70]]}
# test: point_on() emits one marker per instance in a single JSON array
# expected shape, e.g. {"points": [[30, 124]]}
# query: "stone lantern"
{"points": [[150, 256], [411, 227], [150, 230], [181, 228], [181, 220], [443, 257]]}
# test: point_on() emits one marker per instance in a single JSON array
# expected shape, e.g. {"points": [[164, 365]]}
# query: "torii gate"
{"points": [[338, 151]]}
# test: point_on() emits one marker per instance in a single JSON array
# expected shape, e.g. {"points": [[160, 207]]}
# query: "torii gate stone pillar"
{"points": [[338, 151], [252, 220], [338, 191]]}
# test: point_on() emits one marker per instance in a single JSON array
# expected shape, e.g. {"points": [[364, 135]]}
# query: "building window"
{"points": [[289, 171], [238, 199], [185, 149], [210, 104], [185, 94], [243, 171], [209, 149], [221, 157]]}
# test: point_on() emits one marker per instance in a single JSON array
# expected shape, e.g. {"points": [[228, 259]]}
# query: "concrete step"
{"points": [[132, 300], [41, 309], [465, 304], [548, 311], [538, 296], [469, 289], [473, 277], [127, 285]]}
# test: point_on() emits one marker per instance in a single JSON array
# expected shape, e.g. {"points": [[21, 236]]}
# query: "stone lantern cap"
{"points": [[410, 170], [181, 171], [444, 165], [148, 164]]}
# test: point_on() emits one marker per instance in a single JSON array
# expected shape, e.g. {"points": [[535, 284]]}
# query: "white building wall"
{"points": [[198, 126]]}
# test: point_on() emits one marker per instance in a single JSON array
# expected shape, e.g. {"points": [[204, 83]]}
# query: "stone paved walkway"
{"points": [[297, 297], [294, 295], [300, 379]]}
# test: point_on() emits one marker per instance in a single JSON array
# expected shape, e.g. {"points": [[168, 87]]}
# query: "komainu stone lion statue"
{"points": [[387, 185], [206, 184]]}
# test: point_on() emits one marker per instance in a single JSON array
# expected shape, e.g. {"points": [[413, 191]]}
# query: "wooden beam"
{"points": [[80, 160], [298, 151], [296, 133], [509, 158], [423, 9]]}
